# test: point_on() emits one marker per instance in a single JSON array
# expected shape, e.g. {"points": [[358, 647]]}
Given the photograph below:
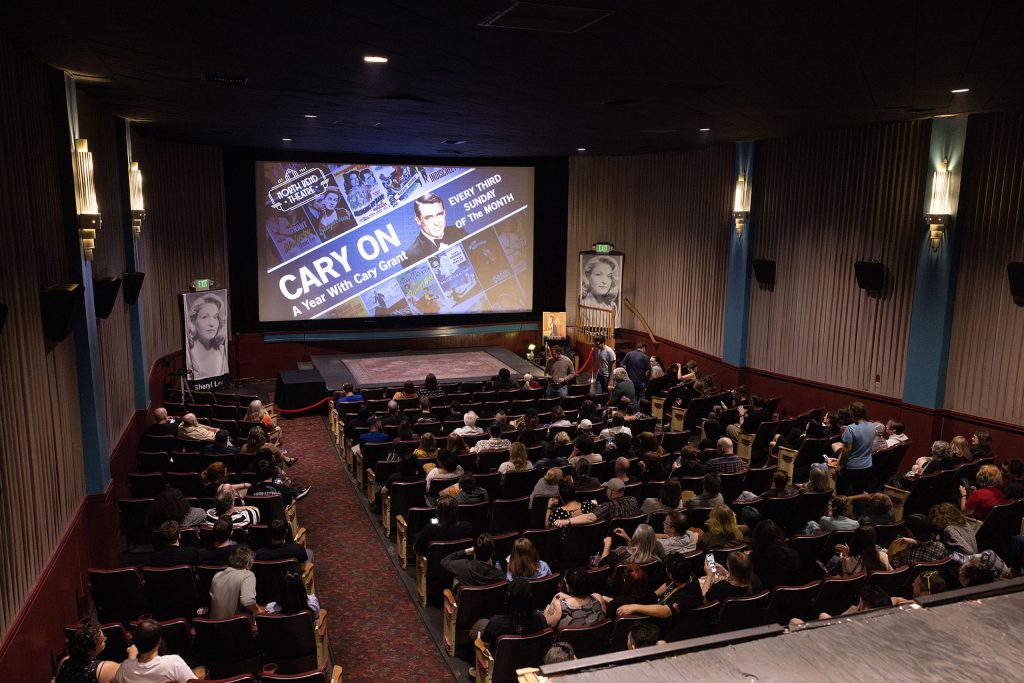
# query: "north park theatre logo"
{"points": [[298, 188]]}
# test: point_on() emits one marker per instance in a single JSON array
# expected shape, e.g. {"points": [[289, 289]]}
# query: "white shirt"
{"points": [[160, 669], [610, 432], [467, 431]]}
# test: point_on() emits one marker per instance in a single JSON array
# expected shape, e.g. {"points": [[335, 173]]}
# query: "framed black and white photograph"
{"points": [[601, 281], [206, 332]]}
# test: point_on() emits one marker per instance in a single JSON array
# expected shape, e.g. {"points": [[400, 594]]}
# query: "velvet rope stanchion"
{"points": [[327, 399], [586, 363]]}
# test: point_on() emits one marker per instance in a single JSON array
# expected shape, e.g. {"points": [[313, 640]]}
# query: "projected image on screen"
{"points": [[365, 241]]}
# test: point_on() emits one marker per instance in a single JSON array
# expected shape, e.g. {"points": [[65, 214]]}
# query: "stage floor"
{"points": [[372, 370]]}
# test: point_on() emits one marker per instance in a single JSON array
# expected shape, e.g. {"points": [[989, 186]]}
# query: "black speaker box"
{"points": [[870, 275], [1015, 271], [105, 295], [58, 307], [132, 287], [764, 271], [3, 316]]}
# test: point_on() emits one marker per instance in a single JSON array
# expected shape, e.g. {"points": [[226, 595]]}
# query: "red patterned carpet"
{"points": [[397, 369], [375, 630]]}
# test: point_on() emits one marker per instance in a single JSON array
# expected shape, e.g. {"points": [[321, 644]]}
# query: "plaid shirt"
{"points": [[931, 551], [726, 464], [626, 506]]}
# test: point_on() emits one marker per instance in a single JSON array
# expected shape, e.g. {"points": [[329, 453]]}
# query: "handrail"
{"points": [[642, 319], [592, 321]]}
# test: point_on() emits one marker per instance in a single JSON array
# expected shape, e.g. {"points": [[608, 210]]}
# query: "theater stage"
{"points": [[372, 370]]}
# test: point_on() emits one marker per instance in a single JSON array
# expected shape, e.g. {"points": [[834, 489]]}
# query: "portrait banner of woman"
{"points": [[205, 324], [601, 281]]}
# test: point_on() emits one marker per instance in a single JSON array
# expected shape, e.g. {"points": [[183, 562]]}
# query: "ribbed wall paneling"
{"points": [[184, 234], [98, 125], [40, 464], [986, 363], [671, 215], [822, 202]]}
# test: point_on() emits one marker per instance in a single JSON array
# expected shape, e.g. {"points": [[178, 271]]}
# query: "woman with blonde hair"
{"points": [[456, 444], [257, 442], [548, 486], [428, 447], [642, 548], [517, 460], [960, 449], [987, 494], [524, 561], [259, 414], [722, 530]]}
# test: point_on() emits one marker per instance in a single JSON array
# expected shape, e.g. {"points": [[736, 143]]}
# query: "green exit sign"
{"points": [[603, 248], [201, 285]]}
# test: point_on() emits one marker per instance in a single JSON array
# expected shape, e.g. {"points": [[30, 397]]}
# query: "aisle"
{"points": [[376, 631]]}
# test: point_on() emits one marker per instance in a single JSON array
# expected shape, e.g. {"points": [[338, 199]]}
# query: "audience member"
{"points": [[577, 606], [919, 545], [780, 486], [191, 430], [294, 598], [494, 442], [862, 554], [727, 462], [986, 496], [171, 504], [629, 587], [669, 500], [679, 595], [955, 530], [241, 515], [723, 532], [469, 427], [618, 505], [257, 413], [711, 496], [775, 562], [474, 566], [162, 425], [678, 538], [641, 635], [524, 562], [854, 459], [688, 464], [445, 527], [641, 548], [430, 388], [170, 552], [584, 480], [148, 665], [517, 460], [281, 549], [547, 487], [739, 580], [519, 619], [80, 665], [566, 506], [618, 425], [408, 391], [837, 516], [233, 590], [427, 449]]}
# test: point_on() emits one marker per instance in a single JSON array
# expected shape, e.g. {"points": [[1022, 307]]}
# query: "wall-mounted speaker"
{"points": [[1015, 271], [59, 303], [105, 295], [3, 316], [870, 275], [764, 271], [132, 287]]}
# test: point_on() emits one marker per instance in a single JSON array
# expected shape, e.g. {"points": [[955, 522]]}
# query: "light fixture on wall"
{"points": [[938, 215], [741, 204], [530, 351], [89, 219], [137, 200]]}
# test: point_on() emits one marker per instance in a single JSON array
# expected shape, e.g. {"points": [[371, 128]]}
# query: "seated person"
{"points": [[270, 485], [408, 390], [394, 416], [294, 598], [775, 562], [520, 617], [446, 526], [376, 433], [162, 425], [427, 449], [80, 665], [425, 414], [494, 442], [584, 481], [280, 549], [566, 506], [678, 538], [618, 505], [191, 430], [214, 479], [409, 470], [525, 563], [727, 461], [919, 545], [474, 566], [503, 380], [517, 460], [680, 594], [577, 606], [223, 546], [348, 395], [862, 554], [585, 448], [780, 486], [739, 579], [618, 425], [629, 587], [233, 590], [723, 531], [469, 427], [670, 499], [172, 504], [987, 494], [837, 516], [258, 413], [688, 464], [878, 509], [643, 634], [711, 496], [256, 442], [448, 471], [171, 553], [221, 445], [467, 491], [552, 454], [145, 663], [642, 547], [750, 419], [547, 487], [241, 515], [622, 470], [430, 388]]}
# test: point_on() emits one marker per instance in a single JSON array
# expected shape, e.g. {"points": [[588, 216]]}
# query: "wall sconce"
{"points": [[938, 215], [529, 351], [741, 204], [89, 219], [137, 201]]}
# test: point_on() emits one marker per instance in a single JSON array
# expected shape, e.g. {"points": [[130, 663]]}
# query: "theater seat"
{"points": [[117, 594], [587, 641], [291, 640], [508, 653], [741, 612], [227, 646], [467, 605]]}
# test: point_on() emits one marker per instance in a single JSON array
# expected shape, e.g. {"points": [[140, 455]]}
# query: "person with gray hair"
{"points": [[394, 416], [622, 386], [469, 428], [191, 430], [233, 590], [162, 425], [241, 515]]}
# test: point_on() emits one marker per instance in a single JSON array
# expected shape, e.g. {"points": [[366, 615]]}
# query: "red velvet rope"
{"points": [[302, 410], [587, 362]]}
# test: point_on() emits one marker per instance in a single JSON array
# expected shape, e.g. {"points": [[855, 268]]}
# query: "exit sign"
{"points": [[603, 247], [201, 285]]}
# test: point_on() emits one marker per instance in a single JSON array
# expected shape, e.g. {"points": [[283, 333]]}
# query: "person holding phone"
{"points": [[739, 581], [680, 594], [445, 526]]}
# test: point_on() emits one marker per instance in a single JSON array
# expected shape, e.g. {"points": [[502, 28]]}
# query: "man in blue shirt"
{"points": [[348, 394], [855, 458], [638, 366]]}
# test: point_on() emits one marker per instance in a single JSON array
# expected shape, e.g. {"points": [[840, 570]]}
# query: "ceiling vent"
{"points": [[225, 79], [532, 16]]}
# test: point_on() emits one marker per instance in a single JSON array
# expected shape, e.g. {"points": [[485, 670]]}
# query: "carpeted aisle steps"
{"points": [[375, 629]]}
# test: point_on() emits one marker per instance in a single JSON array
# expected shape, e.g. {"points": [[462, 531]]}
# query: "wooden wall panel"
{"points": [[986, 362], [671, 215], [184, 235], [821, 202], [98, 125], [40, 465]]}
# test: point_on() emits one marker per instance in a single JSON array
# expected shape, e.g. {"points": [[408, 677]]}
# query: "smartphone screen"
{"points": [[433, 520], [711, 562]]}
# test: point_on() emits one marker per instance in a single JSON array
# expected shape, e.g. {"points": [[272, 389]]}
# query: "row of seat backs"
{"points": [[132, 512], [940, 487], [229, 647], [123, 594]]}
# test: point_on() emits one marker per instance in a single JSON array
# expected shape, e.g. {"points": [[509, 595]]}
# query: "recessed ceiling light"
{"points": [[581, 149], [704, 130], [286, 139], [375, 59], [310, 116], [960, 91]]}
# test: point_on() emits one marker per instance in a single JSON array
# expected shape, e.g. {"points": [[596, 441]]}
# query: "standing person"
{"points": [[561, 371], [638, 367], [855, 457], [208, 337], [604, 358]]}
